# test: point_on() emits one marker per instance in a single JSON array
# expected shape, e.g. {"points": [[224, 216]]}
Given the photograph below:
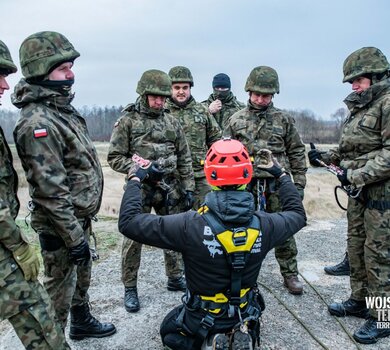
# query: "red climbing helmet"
{"points": [[228, 163]]}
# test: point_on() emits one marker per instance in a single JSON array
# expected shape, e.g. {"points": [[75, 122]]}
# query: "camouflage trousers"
{"points": [[286, 253], [163, 203], [201, 189], [66, 283], [368, 251], [27, 307]]}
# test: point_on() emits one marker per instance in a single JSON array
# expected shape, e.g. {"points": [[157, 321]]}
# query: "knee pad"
{"points": [[176, 341]]}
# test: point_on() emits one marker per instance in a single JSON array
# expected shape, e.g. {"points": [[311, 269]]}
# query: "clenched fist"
{"points": [[215, 106]]}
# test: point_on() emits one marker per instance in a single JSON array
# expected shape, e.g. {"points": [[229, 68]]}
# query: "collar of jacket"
{"points": [[260, 111], [355, 101], [142, 106], [235, 207], [230, 98], [26, 93]]}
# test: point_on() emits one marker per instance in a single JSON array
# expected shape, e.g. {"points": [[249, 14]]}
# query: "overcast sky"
{"points": [[305, 41]]}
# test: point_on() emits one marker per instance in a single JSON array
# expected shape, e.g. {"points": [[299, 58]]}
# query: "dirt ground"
{"points": [[321, 243]]}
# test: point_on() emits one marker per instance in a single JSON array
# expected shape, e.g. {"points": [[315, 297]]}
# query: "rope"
{"points": [[294, 315], [334, 317]]}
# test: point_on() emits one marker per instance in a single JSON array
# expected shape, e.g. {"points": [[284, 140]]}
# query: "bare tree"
{"points": [[339, 117]]}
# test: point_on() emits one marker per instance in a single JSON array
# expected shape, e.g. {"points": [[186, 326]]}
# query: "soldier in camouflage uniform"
{"points": [[222, 104], [364, 155], [64, 176], [199, 125], [147, 130], [23, 300], [261, 125]]}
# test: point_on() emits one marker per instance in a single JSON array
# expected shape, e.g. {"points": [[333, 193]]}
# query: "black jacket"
{"points": [[206, 268]]}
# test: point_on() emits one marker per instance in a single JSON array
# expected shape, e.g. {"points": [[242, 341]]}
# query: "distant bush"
{"points": [[101, 120]]}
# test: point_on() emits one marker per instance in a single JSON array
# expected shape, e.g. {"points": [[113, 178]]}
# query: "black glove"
{"points": [[80, 254], [313, 155], [189, 200], [150, 172], [154, 173], [269, 163], [343, 177]]}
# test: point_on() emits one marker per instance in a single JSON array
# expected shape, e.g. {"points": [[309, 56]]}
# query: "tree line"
{"points": [[101, 120]]}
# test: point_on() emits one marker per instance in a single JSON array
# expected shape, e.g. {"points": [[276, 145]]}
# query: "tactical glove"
{"points": [[189, 200], [269, 163], [80, 254], [154, 173], [27, 260], [314, 155], [215, 106], [150, 172], [343, 177]]}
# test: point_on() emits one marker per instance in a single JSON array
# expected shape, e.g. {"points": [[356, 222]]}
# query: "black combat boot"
{"points": [[131, 299], [341, 269], [84, 325], [177, 284], [369, 333], [351, 307]]}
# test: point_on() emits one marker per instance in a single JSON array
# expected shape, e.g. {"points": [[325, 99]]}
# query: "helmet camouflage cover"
{"points": [[41, 51], [6, 62], [180, 74], [154, 82], [263, 80], [364, 61]]}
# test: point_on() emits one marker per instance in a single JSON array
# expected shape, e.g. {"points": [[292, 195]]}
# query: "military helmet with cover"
{"points": [[263, 80], [154, 82], [7, 66], [42, 51], [180, 74], [367, 60]]}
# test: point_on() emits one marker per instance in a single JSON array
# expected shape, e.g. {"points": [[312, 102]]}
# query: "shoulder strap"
{"points": [[237, 244]]}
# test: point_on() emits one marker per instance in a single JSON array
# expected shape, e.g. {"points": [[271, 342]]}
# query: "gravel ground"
{"points": [[320, 243]]}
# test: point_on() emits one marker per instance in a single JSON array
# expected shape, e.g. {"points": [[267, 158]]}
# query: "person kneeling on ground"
{"points": [[223, 246]]}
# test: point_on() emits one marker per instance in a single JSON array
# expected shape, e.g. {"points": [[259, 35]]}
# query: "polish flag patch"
{"points": [[40, 133]]}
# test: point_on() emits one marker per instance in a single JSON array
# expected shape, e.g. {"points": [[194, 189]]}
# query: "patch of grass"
{"points": [[107, 236], [106, 231]]}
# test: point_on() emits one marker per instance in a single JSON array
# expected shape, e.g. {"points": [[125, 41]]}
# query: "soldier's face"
{"points": [[156, 102], [3, 85], [62, 72], [181, 92], [260, 100], [361, 84]]}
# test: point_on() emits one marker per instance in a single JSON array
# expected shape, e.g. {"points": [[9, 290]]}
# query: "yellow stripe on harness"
{"points": [[227, 238], [221, 298]]}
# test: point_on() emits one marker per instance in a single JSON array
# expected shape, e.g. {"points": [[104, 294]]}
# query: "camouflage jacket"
{"points": [[200, 128], [10, 235], [274, 129], [59, 158], [364, 147], [152, 136], [230, 105]]}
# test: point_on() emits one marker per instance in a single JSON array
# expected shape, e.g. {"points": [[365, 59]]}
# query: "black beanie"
{"points": [[221, 80]]}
